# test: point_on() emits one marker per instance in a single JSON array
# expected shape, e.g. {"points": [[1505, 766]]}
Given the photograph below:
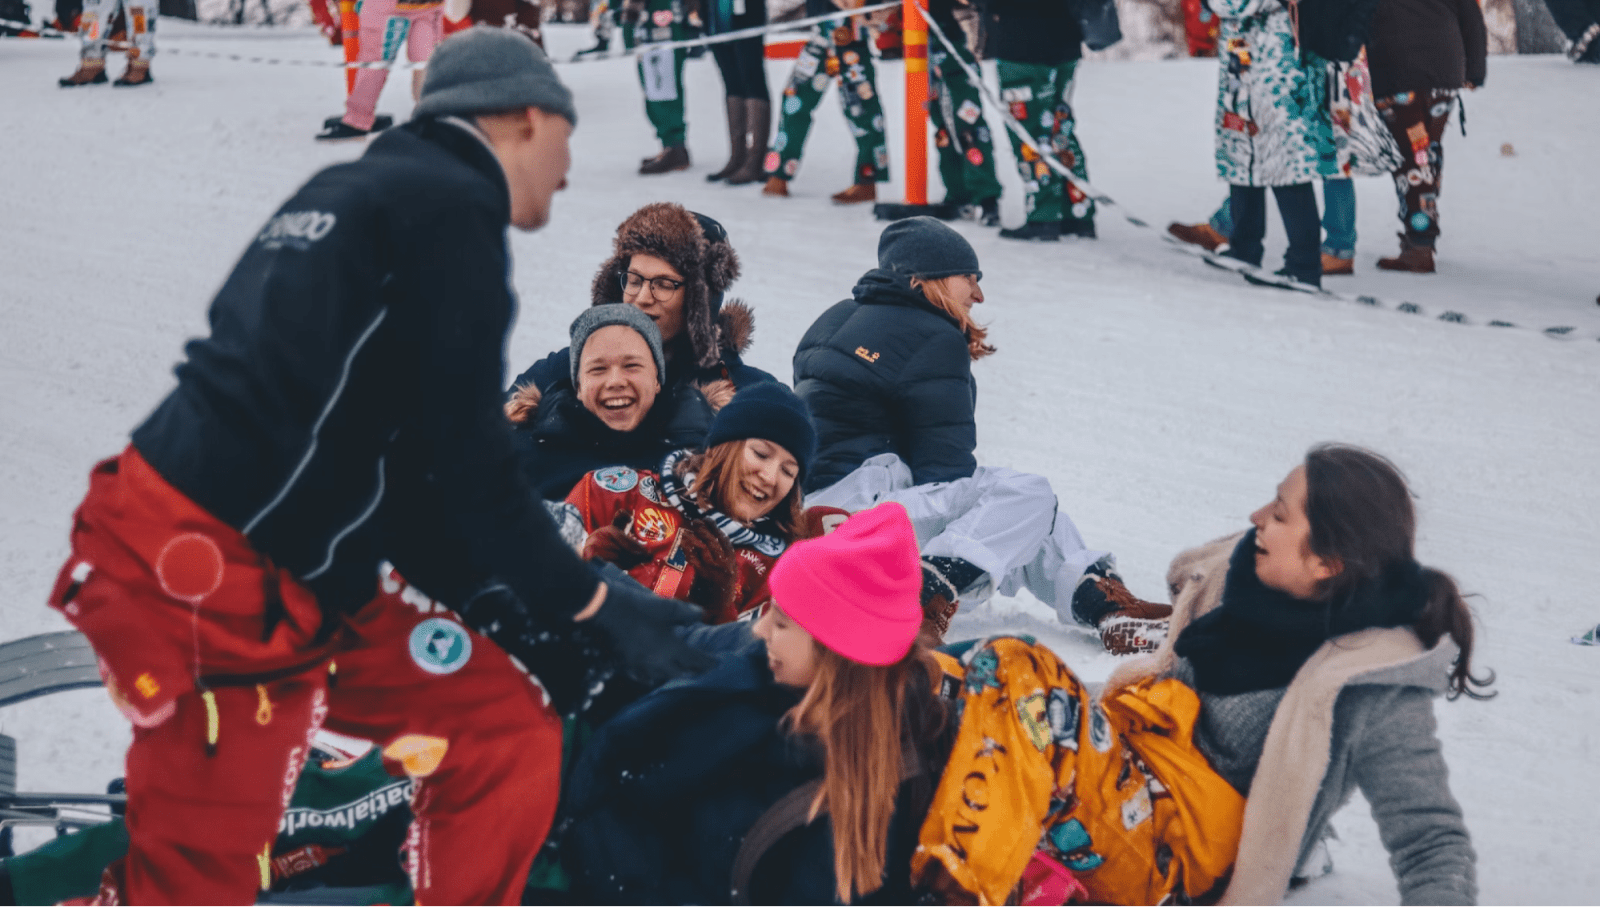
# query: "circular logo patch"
{"points": [[618, 479], [440, 646]]}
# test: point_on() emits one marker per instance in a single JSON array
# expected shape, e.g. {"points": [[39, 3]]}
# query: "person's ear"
{"points": [[1324, 569]]}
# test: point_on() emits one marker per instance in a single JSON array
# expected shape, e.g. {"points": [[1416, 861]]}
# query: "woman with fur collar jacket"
{"points": [[683, 265], [1317, 645]]}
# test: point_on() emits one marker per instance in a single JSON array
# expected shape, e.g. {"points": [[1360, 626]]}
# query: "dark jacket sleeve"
{"points": [[936, 430], [458, 416], [1474, 40], [547, 372], [1400, 768]]}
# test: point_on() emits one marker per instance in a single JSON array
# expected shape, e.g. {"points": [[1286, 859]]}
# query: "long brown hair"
{"points": [[938, 292], [1360, 512], [715, 470], [865, 717]]}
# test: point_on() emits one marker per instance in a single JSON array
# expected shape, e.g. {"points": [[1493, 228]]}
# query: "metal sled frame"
{"points": [[33, 667]]}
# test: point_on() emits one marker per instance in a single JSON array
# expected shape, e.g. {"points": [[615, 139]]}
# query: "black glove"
{"points": [[575, 662], [640, 624]]}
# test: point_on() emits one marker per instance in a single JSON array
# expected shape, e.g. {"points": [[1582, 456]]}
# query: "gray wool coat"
{"points": [[1359, 714]]}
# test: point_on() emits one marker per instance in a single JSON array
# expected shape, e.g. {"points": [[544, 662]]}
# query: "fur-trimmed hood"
{"points": [[709, 266]]}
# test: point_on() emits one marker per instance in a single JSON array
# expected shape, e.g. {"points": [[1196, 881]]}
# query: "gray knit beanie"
{"points": [[597, 317], [924, 247], [484, 69]]}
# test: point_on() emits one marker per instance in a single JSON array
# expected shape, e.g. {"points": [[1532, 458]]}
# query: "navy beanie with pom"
{"points": [[771, 412]]}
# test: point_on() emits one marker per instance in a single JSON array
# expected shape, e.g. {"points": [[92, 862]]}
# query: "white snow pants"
{"points": [[94, 29], [1002, 521]]}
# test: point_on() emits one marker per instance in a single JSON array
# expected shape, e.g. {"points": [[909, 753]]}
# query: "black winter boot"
{"points": [[1038, 231], [738, 140], [1081, 227], [758, 123], [943, 581], [670, 159]]}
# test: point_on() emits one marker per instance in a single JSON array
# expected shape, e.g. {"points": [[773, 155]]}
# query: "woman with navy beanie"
{"points": [[887, 375], [707, 526]]}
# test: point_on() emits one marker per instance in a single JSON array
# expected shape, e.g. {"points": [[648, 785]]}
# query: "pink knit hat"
{"points": [[857, 590]]}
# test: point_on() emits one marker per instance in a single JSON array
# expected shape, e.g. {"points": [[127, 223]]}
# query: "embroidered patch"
{"points": [[653, 525], [1031, 711], [649, 488], [618, 479], [969, 112], [440, 646]]}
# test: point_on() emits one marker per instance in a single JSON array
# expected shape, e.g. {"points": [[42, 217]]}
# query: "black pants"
{"points": [[1574, 17], [1298, 206], [743, 63]]}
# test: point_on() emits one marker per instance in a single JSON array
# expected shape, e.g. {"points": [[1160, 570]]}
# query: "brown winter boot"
{"points": [[138, 73], [855, 195], [776, 186], [1333, 264], [738, 141], [1200, 234], [1413, 258], [670, 159], [758, 114], [1135, 625], [90, 72]]}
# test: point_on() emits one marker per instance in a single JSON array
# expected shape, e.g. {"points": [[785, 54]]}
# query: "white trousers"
{"points": [[1002, 521], [94, 28]]}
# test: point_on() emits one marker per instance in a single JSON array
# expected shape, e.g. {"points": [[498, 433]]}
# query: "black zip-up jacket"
{"points": [[1031, 31], [353, 368], [1416, 45], [888, 372]]}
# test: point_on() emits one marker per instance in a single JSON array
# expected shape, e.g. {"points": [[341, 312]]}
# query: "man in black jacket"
{"points": [[344, 412]]}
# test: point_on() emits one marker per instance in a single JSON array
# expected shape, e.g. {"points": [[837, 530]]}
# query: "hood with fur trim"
{"points": [[673, 234]]}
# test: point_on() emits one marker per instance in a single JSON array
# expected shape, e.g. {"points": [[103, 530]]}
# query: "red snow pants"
{"points": [[224, 706]]}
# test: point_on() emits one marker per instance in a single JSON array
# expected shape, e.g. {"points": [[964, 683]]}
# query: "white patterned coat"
{"points": [[1364, 145], [1272, 121]]}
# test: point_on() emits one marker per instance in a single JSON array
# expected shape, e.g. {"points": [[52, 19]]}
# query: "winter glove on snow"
{"points": [[640, 626], [614, 545], [716, 569]]}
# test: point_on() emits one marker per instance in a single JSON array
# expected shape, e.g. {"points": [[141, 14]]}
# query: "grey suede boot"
{"points": [[738, 140], [758, 120]]}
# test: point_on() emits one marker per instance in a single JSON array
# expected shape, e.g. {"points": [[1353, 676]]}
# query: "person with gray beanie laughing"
{"points": [[344, 412], [887, 376]]}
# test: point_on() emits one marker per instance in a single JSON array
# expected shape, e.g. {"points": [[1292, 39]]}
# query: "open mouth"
{"points": [[759, 497], [616, 403]]}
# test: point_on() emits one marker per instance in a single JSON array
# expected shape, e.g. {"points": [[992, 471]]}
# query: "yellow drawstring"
{"points": [[333, 673], [263, 707], [213, 721], [264, 860]]}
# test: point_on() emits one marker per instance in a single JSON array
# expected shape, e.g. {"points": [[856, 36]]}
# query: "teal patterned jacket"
{"points": [[1272, 120]]}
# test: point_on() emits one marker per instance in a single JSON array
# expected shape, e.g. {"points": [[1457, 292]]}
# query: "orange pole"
{"points": [[350, 24], [916, 57]]}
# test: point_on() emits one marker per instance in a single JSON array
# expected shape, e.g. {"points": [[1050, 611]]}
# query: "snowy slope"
{"points": [[1162, 398]]}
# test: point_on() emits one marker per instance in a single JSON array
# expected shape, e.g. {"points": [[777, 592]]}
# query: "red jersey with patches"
{"points": [[600, 495]]}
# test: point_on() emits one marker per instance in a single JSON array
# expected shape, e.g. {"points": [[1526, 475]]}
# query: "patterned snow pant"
{"points": [[1418, 120], [966, 150], [835, 51], [1040, 98], [93, 29], [1113, 789], [386, 26], [661, 71]]}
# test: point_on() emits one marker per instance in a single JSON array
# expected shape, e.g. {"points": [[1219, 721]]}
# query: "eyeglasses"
{"points": [[660, 287]]}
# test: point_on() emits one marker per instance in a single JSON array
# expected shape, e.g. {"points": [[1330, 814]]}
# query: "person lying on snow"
{"points": [[707, 526], [614, 412], [1305, 657], [888, 378], [675, 266]]}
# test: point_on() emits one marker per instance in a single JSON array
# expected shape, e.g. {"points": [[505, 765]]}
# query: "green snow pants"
{"points": [[661, 73], [1040, 98], [966, 150], [840, 51]]}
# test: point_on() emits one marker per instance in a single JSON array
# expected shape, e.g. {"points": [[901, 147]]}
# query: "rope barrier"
{"points": [[1250, 272], [654, 47]]}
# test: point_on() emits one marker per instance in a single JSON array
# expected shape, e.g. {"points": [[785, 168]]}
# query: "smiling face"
{"points": [[665, 309], [763, 475], [617, 377], [791, 650], [1284, 560]]}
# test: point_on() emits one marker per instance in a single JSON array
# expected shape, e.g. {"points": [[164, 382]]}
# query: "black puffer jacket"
{"points": [[887, 372], [663, 795], [1031, 31], [561, 442], [1416, 45]]}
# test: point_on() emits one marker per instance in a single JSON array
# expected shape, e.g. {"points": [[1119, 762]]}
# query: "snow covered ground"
{"points": [[1163, 399]]}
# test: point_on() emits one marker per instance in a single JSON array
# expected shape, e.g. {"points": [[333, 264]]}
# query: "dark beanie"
{"points": [[771, 412], [924, 247], [597, 317], [485, 70]]}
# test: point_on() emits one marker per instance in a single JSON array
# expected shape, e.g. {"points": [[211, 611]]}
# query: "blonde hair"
{"points": [[939, 292], [858, 713]]}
